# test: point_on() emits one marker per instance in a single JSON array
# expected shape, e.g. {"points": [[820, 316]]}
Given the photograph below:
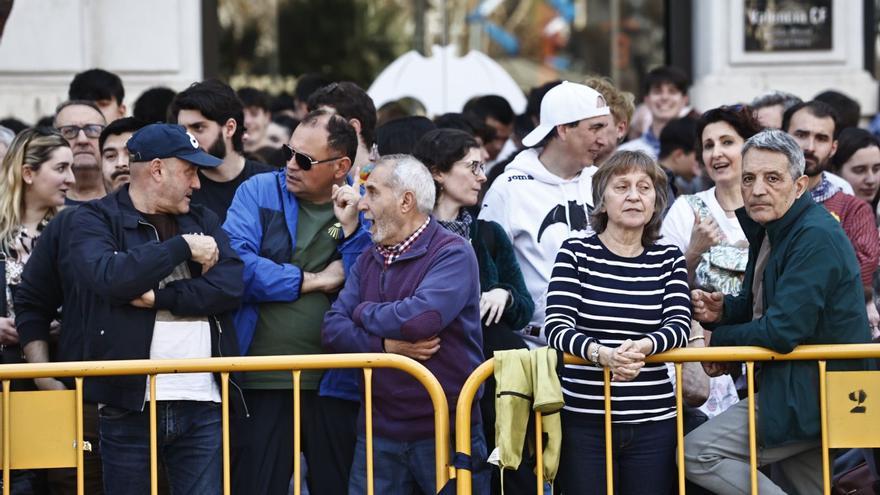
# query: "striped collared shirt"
{"points": [[391, 253]]}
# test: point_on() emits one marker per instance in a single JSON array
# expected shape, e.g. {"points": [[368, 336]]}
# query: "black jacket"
{"points": [[118, 257], [48, 283]]}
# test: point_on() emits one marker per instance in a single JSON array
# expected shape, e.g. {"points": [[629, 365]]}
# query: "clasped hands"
{"points": [[625, 361]]}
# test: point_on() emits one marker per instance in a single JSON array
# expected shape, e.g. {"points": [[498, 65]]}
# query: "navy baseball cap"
{"points": [[168, 141]]}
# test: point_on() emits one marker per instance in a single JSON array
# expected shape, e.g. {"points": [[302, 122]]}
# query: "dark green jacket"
{"points": [[499, 269], [812, 295]]}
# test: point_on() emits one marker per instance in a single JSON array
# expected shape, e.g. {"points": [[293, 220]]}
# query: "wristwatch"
{"points": [[594, 356]]}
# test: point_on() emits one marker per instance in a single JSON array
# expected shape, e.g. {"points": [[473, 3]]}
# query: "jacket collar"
{"points": [[776, 229], [131, 217], [419, 247]]}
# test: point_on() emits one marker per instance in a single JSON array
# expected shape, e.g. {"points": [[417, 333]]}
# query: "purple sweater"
{"points": [[432, 289]]}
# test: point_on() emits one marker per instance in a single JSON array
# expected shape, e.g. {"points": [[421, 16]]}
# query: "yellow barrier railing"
{"points": [[749, 355], [225, 366]]}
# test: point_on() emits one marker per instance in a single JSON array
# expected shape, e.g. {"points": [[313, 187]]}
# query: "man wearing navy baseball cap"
{"points": [[159, 281]]}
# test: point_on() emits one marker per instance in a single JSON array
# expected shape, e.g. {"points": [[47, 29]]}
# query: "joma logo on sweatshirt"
{"points": [[519, 177]]}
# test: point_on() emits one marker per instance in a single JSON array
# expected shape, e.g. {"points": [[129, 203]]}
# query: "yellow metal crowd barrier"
{"points": [[839, 427], [24, 413]]}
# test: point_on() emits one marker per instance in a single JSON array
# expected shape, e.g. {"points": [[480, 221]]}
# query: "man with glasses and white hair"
{"points": [[81, 123], [284, 226], [802, 286], [415, 292]]}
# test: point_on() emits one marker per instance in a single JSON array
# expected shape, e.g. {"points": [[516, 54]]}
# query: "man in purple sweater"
{"points": [[415, 292]]}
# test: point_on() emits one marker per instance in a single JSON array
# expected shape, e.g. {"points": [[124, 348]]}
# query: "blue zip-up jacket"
{"points": [[261, 224], [118, 257]]}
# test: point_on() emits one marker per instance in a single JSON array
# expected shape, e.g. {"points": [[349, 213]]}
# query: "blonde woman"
{"points": [[35, 176]]}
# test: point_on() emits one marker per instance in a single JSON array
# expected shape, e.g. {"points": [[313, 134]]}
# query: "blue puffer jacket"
{"points": [[261, 223]]}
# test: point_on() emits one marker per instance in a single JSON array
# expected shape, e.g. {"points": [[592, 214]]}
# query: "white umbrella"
{"points": [[444, 82]]}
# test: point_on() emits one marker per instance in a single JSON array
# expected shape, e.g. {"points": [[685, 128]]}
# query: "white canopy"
{"points": [[444, 82]]}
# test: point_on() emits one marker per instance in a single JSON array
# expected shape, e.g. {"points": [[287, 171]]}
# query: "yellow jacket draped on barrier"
{"points": [[527, 381]]}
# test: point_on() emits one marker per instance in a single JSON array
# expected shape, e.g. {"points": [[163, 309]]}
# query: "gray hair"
{"points": [[780, 142], [787, 100], [409, 174]]}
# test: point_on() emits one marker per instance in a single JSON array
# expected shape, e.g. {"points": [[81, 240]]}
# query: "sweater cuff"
{"points": [[31, 331], [178, 249]]}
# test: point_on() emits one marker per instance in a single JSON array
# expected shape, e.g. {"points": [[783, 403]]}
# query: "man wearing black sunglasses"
{"points": [[284, 227], [81, 123]]}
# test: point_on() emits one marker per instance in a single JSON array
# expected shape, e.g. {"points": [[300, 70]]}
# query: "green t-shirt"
{"points": [[295, 327]]}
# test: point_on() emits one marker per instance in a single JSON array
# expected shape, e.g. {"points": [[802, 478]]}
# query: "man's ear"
{"points": [[229, 128], [622, 128], [341, 167], [122, 110], [676, 154], [157, 168], [833, 148], [562, 131], [408, 202], [801, 185]]}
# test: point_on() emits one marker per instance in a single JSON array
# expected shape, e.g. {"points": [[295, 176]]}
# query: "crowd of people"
{"points": [[218, 223]]}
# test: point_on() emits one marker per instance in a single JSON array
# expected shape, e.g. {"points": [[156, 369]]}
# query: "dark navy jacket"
{"points": [[118, 258], [48, 283]]}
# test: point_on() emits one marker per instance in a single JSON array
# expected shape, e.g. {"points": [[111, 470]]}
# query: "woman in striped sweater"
{"points": [[613, 299]]}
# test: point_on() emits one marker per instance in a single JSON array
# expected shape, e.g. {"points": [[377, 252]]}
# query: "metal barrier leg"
{"points": [[753, 441], [368, 417], [7, 442], [539, 451], [609, 460], [823, 408], [80, 466], [679, 427], [297, 409], [154, 453], [224, 411]]}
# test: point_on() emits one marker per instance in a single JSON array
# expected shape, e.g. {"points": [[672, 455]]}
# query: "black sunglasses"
{"points": [[304, 162]]}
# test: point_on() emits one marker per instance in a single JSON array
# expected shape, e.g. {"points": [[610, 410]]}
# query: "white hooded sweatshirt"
{"points": [[539, 211]]}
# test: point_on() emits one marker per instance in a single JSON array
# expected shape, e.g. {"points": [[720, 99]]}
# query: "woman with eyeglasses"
{"points": [[34, 181], [455, 160]]}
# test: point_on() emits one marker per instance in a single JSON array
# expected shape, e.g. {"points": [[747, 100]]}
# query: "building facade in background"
{"points": [[733, 49]]}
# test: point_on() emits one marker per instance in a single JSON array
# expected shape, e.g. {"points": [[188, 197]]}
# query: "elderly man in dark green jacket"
{"points": [[802, 286]]}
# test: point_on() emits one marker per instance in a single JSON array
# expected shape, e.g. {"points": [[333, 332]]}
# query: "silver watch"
{"points": [[594, 356]]}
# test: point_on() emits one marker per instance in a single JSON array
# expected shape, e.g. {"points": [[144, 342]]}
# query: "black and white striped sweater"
{"points": [[594, 293]]}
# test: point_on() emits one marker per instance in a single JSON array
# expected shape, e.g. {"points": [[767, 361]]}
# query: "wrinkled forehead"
{"points": [[79, 115], [378, 176], [761, 161]]}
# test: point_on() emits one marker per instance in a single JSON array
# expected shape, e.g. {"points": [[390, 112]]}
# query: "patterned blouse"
{"points": [[17, 253]]}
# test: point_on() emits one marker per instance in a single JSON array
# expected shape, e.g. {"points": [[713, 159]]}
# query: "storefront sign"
{"points": [[787, 25]]}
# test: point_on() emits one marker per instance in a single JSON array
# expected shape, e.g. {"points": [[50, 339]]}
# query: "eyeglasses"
{"points": [[72, 131], [304, 162], [477, 167]]}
